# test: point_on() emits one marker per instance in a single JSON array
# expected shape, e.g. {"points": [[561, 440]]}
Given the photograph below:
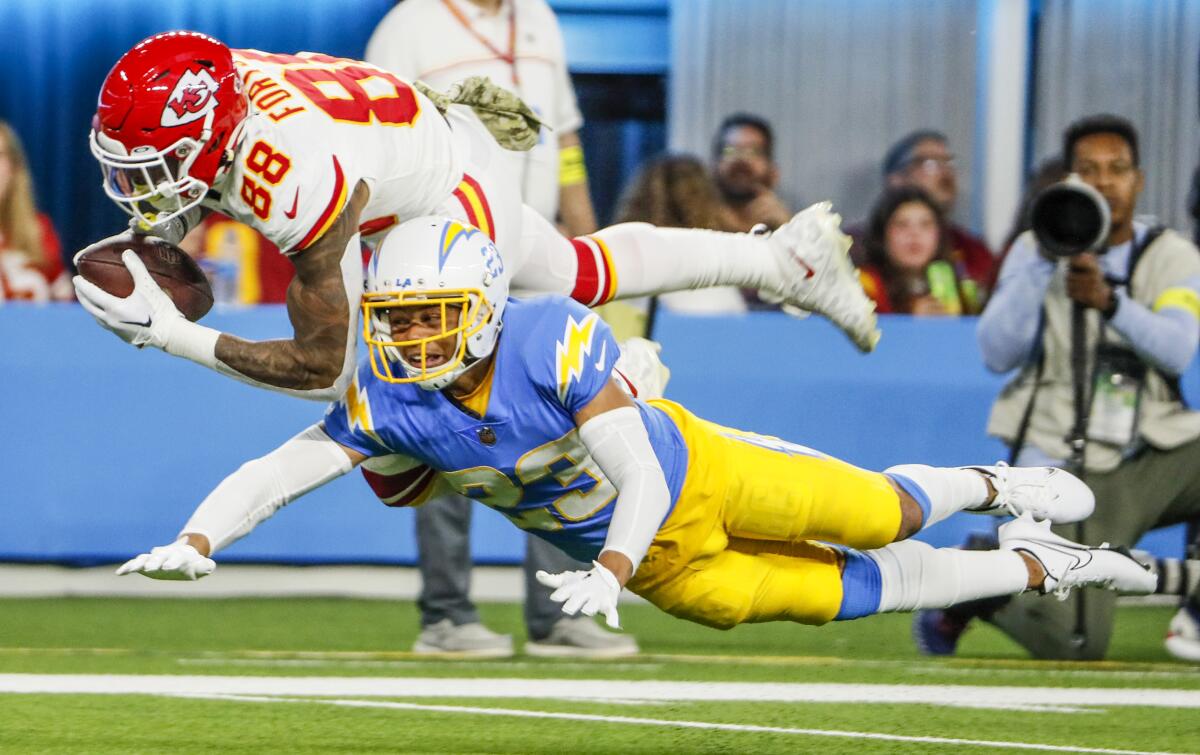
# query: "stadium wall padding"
{"points": [[106, 449]]}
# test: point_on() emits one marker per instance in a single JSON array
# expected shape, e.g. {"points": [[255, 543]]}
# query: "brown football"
{"points": [[171, 267]]}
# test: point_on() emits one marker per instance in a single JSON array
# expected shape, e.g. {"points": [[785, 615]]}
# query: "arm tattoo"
{"points": [[317, 307]]}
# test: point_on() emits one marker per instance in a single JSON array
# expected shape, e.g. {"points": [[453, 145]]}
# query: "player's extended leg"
{"points": [[735, 581], [911, 575], [739, 546], [805, 263], [1042, 492]]}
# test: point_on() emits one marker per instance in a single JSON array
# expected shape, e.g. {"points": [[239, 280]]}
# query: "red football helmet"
{"points": [[167, 121]]}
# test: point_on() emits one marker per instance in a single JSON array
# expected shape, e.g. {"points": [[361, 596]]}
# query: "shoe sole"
{"points": [[539, 650], [1028, 544], [434, 651]]}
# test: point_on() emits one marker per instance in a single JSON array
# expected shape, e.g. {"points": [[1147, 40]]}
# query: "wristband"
{"points": [[571, 169], [193, 341]]}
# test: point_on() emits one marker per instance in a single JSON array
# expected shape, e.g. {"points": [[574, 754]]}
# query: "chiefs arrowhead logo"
{"points": [[194, 96]]}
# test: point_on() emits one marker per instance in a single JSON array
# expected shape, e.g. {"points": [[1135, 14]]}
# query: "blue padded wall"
{"points": [[106, 449]]}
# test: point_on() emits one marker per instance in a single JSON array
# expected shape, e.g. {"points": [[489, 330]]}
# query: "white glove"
{"points": [[144, 318], [589, 592], [178, 561], [641, 364]]}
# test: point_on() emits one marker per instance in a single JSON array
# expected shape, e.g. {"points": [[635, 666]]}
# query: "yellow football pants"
{"points": [[741, 544]]}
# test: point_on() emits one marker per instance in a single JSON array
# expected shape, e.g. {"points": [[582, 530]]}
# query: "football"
{"points": [[171, 267]]}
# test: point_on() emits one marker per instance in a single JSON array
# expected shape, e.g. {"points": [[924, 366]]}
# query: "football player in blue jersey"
{"points": [[515, 403]]}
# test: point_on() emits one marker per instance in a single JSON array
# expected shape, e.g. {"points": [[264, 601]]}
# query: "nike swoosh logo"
{"points": [[291, 214], [810, 272], [145, 324], [603, 354]]}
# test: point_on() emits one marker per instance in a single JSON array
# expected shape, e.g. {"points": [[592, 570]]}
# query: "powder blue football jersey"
{"points": [[523, 457]]}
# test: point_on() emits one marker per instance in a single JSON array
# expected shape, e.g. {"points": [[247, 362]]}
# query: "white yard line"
{"points": [[1140, 671], [596, 689], [435, 660], [668, 723]]}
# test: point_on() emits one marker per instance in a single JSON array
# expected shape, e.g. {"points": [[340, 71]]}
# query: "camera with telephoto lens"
{"points": [[1070, 217]]}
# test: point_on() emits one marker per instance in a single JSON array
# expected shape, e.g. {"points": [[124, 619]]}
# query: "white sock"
{"points": [[940, 491], [650, 260], [915, 575]]}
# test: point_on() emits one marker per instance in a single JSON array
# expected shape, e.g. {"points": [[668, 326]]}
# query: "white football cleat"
{"points": [[817, 275], [1069, 564], [1183, 635], [1043, 492]]}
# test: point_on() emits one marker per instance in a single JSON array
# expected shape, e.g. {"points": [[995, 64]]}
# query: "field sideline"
{"points": [[268, 675]]}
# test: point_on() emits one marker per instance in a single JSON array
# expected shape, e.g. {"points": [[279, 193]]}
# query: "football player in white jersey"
{"points": [[321, 154]]}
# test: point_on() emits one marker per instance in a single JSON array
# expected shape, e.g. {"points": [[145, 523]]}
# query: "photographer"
{"points": [[1139, 295]]}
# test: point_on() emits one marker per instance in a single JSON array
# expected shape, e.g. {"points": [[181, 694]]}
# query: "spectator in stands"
{"points": [[746, 176], [1141, 297], [675, 191], [518, 44], [908, 268], [923, 159], [31, 267], [746, 173]]}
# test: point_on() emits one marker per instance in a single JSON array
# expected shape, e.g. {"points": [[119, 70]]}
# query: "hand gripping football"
{"points": [[170, 267]]}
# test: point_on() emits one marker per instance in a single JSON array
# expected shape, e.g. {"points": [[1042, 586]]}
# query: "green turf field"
{"points": [[309, 676]]}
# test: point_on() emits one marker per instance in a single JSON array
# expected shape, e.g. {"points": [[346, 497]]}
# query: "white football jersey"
{"points": [[318, 126]]}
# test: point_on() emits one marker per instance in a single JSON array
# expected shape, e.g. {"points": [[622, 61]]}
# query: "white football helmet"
{"points": [[427, 262]]}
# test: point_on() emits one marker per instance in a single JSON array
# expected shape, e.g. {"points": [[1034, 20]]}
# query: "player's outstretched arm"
{"points": [[322, 300], [245, 498], [612, 430], [316, 363]]}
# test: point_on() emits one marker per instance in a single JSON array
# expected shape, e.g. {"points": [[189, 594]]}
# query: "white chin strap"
{"points": [[441, 381]]}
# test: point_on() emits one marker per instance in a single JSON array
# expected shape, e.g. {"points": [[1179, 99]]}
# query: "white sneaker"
{"points": [[581, 637], [1183, 635], [472, 640], [1069, 564], [817, 274], [1043, 492]]}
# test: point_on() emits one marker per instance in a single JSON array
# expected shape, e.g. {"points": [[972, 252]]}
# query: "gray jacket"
{"points": [[1164, 422]]}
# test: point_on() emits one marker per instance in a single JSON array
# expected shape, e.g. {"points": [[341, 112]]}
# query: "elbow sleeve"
{"points": [[261, 487], [618, 442]]}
